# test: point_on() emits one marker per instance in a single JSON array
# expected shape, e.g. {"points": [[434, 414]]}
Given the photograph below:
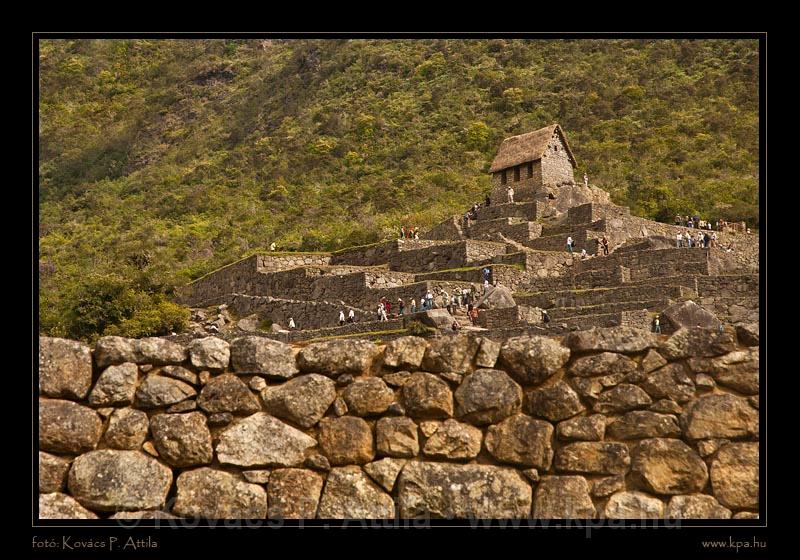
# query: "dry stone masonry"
{"points": [[603, 423]]}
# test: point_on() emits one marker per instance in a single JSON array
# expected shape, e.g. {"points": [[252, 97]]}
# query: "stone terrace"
{"points": [[524, 247]]}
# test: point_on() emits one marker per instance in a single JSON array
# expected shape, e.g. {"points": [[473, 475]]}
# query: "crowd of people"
{"points": [[700, 239], [409, 233]]}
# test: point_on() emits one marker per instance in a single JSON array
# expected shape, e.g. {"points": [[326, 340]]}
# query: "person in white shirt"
{"points": [[291, 323], [569, 244], [583, 253], [585, 180], [510, 191], [680, 239], [341, 318], [351, 316], [272, 246]]}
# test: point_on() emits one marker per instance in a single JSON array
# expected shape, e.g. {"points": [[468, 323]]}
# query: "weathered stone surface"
{"points": [[339, 407], [256, 354], [532, 359], [111, 480], [451, 377], [429, 427], [441, 490], [65, 368], [158, 351], [696, 506], [346, 440], [227, 393], [734, 475], [748, 334], [707, 447], [257, 384], [115, 386], [350, 494], [427, 396], [127, 429], [738, 371], [302, 400], [698, 342], [521, 440], [220, 419], [666, 406], [180, 373], [668, 466], [344, 380], [114, 350], [450, 353], [150, 449], [554, 402], [182, 440], [634, 505], [652, 360], [563, 497], [622, 398], [397, 437], [687, 314], [396, 379], [152, 514], [593, 458], [497, 297], [183, 406], [405, 352], [257, 476], [454, 440], [156, 391], [669, 382], [487, 396], [61, 506], [209, 353], [263, 441], [719, 416], [626, 340], [584, 428], [605, 363], [204, 377], [67, 427], [206, 493], [368, 397], [488, 353], [746, 515], [704, 382], [52, 473], [317, 461], [334, 357], [644, 424], [293, 494], [385, 471], [603, 487]]}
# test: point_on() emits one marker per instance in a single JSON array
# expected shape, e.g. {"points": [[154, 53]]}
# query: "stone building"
{"points": [[530, 161]]}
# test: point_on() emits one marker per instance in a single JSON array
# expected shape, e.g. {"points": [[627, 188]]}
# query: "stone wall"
{"points": [[556, 165], [530, 211], [448, 230], [605, 423], [379, 253], [524, 189], [513, 228], [272, 263]]}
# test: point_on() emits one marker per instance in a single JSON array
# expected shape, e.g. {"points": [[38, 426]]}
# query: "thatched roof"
{"points": [[527, 147]]}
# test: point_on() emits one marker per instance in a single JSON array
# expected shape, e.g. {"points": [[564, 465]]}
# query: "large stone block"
{"points": [[487, 396], [532, 359], [256, 354], [350, 494], [302, 400], [334, 357], [263, 441], [563, 497], [65, 368], [206, 493], [67, 427]]}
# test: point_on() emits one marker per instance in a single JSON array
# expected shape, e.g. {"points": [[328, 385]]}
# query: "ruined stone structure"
{"points": [[606, 423], [524, 246]]}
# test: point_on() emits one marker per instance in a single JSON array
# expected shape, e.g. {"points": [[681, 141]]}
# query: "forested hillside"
{"points": [[161, 160]]}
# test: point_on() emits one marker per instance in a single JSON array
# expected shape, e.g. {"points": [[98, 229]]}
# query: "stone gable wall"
{"points": [[605, 423], [556, 167]]}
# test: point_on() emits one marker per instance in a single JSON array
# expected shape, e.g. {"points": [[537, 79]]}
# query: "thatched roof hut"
{"points": [[528, 147]]}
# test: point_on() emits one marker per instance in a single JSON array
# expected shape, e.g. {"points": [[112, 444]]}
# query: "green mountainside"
{"points": [[161, 160]]}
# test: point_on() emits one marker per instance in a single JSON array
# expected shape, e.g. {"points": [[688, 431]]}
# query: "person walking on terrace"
{"points": [[510, 191], [413, 305], [402, 232], [351, 316], [488, 201], [341, 318], [605, 245], [657, 325], [401, 306], [679, 240], [585, 180], [545, 317], [429, 299], [570, 242], [292, 326], [272, 246]]}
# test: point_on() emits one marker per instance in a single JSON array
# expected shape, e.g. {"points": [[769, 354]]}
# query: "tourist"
{"points": [[510, 191], [486, 272], [388, 305], [657, 325], [485, 286], [714, 239], [446, 301], [473, 315], [583, 254], [413, 305], [455, 326], [416, 233], [680, 240], [351, 316], [429, 299], [341, 318], [401, 306], [545, 317], [488, 201], [706, 240], [454, 305], [605, 245], [291, 323], [272, 246], [585, 180], [402, 232], [688, 239], [699, 240], [569, 244]]}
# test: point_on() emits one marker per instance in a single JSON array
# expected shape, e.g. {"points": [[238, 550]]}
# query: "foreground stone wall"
{"points": [[605, 423]]}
